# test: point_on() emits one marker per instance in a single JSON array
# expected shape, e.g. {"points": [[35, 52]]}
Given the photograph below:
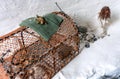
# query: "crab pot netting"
{"points": [[24, 54]]}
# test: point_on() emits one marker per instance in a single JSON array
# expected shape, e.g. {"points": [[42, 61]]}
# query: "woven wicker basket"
{"points": [[25, 55]]}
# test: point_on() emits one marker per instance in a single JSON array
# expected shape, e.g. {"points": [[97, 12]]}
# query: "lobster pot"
{"points": [[26, 55]]}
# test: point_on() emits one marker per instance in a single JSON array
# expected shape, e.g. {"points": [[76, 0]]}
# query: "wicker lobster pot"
{"points": [[25, 55]]}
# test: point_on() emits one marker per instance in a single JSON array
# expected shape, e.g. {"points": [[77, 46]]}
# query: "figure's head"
{"points": [[106, 9], [105, 13]]}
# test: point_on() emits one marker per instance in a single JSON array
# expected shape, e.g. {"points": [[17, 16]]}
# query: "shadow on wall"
{"points": [[87, 22], [114, 17]]}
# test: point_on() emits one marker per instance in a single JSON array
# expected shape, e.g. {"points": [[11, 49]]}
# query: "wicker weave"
{"points": [[25, 55]]}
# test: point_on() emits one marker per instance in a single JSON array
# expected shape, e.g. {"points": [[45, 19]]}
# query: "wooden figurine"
{"points": [[40, 20], [104, 16]]}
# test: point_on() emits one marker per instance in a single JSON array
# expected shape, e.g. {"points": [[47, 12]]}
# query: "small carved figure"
{"points": [[104, 16], [105, 13], [40, 20]]}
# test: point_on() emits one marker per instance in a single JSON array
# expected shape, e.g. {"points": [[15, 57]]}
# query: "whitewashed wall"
{"points": [[103, 55]]}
